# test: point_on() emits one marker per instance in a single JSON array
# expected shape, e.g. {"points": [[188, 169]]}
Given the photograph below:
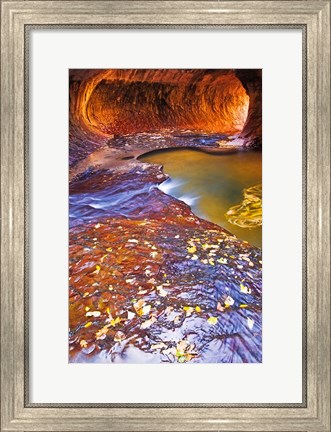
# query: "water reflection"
{"points": [[210, 183]]}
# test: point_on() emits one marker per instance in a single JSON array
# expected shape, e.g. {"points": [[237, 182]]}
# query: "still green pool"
{"points": [[211, 184]]}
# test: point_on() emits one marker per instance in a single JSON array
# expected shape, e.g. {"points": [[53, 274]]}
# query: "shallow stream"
{"points": [[210, 183]]}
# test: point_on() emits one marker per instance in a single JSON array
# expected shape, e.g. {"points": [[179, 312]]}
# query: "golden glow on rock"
{"points": [[107, 102]]}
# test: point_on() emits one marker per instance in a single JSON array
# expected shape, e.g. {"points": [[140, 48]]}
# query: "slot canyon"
{"points": [[165, 214]]}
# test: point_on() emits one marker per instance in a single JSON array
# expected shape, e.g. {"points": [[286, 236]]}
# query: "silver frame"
{"points": [[17, 17]]}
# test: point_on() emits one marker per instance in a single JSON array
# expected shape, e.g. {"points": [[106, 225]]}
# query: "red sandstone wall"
{"points": [[115, 101]]}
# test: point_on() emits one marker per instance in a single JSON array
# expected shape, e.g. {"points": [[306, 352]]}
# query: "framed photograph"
{"points": [[165, 215]]}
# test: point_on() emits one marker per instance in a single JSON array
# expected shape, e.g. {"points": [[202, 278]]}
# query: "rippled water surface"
{"points": [[211, 184]]}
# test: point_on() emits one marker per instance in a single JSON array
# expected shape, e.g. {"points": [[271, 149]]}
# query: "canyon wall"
{"points": [[112, 102]]}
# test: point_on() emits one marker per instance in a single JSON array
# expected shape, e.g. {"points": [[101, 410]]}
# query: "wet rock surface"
{"points": [[150, 281]]}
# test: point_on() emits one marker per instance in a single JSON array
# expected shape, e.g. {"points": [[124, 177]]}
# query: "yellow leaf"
{"points": [[191, 249], [245, 289], [198, 309], [222, 260], [88, 324], [115, 321], [98, 268], [188, 310], [243, 306], [101, 334], [83, 343], [212, 320]]}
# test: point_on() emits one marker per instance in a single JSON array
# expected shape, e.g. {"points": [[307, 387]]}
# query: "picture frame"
{"points": [[17, 413]]}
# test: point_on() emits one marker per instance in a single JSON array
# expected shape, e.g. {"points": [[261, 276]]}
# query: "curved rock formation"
{"points": [[113, 102], [251, 135], [149, 281]]}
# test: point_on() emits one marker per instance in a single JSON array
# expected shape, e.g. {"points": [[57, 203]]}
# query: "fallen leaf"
{"points": [[188, 310], [212, 320], [250, 323], [103, 257], [228, 301], [160, 345], [93, 313], [177, 319], [145, 310], [101, 334], [245, 289], [98, 268], [222, 260], [142, 292], [219, 307], [139, 304], [148, 323], [115, 321], [130, 281], [161, 291], [119, 336]]}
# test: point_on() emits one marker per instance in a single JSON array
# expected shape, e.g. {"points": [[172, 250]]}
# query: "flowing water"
{"points": [[210, 183]]}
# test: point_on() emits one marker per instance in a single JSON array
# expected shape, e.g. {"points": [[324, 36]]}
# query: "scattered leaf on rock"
{"points": [[119, 336], [212, 320]]}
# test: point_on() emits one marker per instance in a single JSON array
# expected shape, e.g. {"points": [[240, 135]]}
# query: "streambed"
{"points": [[149, 280]]}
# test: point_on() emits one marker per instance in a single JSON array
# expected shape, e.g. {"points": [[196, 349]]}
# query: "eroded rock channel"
{"points": [[150, 281]]}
